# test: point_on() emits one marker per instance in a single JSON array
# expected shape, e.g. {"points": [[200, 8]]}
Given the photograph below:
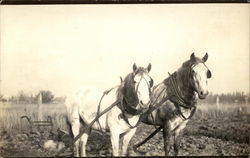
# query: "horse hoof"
{"points": [[139, 151]]}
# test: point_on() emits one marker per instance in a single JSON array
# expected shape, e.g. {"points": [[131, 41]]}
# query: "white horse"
{"points": [[134, 100]]}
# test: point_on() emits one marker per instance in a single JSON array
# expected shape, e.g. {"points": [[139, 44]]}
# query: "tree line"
{"points": [[24, 98], [227, 98], [48, 97]]}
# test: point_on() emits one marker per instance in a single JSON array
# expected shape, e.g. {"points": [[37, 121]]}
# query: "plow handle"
{"points": [[145, 140]]}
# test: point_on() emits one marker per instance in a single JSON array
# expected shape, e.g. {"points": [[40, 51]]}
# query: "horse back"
{"points": [[84, 103]]}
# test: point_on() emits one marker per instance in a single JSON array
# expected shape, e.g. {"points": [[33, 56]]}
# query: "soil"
{"points": [[201, 138]]}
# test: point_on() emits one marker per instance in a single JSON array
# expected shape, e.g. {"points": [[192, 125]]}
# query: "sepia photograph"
{"points": [[101, 80]]}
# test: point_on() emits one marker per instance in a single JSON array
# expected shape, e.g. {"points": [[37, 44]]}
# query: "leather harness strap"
{"points": [[150, 110], [128, 108], [124, 109], [179, 101], [99, 106]]}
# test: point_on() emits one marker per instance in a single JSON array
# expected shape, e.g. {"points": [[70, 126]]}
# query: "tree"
{"points": [[47, 96], [2, 99], [22, 97]]}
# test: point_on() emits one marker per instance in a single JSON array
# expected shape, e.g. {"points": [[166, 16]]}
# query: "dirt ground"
{"points": [[202, 137]]}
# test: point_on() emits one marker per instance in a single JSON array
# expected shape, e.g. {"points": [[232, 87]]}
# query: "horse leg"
{"points": [[177, 137], [166, 137], [126, 139], [83, 142], [75, 123], [177, 140], [115, 139]]}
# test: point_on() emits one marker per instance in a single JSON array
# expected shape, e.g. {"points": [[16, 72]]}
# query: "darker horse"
{"points": [[178, 96]]}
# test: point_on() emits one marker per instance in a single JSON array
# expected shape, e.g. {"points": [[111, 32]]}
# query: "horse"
{"points": [[177, 96], [133, 95]]}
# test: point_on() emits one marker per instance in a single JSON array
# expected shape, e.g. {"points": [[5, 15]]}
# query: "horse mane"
{"points": [[185, 65], [123, 86], [140, 70], [126, 89], [183, 70], [127, 81], [189, 62]]}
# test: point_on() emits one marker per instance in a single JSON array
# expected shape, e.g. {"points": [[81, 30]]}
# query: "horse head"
{"points": [[137, 88], [199, 74]]}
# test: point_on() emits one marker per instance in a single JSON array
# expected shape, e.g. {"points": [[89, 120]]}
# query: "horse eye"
{"points": [[151, 82], [209, 74], [134, 82]]}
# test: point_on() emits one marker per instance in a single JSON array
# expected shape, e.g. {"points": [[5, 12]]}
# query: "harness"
{"points": [[99, 107], [127, 107], [177, 96], [100, 113], [178, 99]]}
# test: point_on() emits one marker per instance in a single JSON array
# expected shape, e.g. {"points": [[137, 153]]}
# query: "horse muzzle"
{"points": [[203, 94], [143, 107]]}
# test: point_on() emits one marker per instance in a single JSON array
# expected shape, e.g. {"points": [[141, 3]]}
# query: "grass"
{"points": [[223, 111], [10, 116], [227, 123], [222, 122]]}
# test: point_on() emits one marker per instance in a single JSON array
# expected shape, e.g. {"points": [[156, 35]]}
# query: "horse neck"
{"points": [[128, 91], [185, 87]]}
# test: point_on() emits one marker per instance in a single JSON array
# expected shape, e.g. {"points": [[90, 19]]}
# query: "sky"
{"points": [[64, 47]]}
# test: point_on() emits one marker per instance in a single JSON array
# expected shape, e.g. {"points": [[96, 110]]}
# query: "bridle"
{"points": [[130, 105], [191, 68], [127, 107], [150, 84], [178, 98]]}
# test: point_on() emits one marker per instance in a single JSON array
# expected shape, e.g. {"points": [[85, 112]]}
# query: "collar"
{"points": [[180, 114], [127, 107]]}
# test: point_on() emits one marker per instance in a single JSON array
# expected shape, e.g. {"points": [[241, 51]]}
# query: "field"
{"points": [[223, 131]]}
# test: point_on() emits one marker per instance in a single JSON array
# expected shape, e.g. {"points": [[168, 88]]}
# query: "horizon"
{"points": [[46, 48]]}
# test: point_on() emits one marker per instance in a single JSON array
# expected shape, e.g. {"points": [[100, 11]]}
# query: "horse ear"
{"points": [[134, 67], [204, 59], [149, 67], [192, 57]]}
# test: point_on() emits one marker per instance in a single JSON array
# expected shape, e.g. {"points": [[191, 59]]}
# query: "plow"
{"points": [[46, 123]]}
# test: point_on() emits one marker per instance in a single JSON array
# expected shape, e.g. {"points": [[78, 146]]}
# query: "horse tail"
{"points": [[67, 105], [69, 127]]}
